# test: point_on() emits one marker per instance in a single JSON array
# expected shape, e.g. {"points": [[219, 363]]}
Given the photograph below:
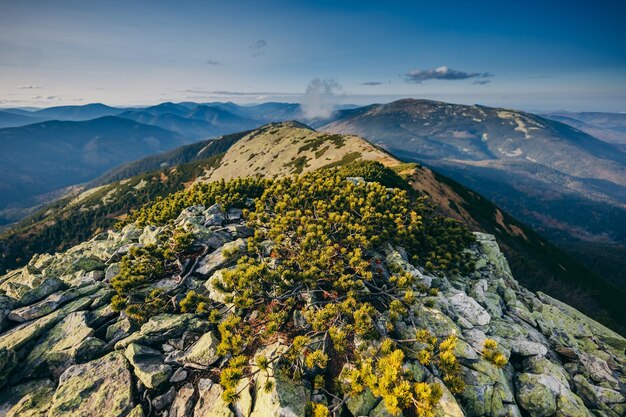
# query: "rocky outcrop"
{"points": [[64, 352]]}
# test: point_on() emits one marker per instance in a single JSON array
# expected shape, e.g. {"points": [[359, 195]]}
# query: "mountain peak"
{"points": [[291, 147]]}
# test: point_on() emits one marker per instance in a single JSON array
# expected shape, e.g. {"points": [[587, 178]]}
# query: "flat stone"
{"points": [[50, 303], [164, 400], [62, 346], [100, 388], [148, 365], [164, 327], [469, 308], [527, 348]]}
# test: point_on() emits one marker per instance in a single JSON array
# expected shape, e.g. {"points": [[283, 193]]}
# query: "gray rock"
{"points": [[467, 307], [50, 303], [179, 375], [361, 404], [210, 402], [119, 330], [164, 327], [148, 365], [220, 257], [164, 400], [183, 403], [102, 387], [65, 344], [203, 353], [31, 399]]}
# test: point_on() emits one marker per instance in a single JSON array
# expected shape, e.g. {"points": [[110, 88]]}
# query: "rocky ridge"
{"points": [[65, 352]]}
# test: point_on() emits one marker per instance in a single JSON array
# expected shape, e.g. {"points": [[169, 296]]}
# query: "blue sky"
{"points": [[536, 55]]}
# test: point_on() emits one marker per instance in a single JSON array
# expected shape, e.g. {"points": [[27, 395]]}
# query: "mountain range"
{"points": [[566, 184], [342, 290], [287, 148]]}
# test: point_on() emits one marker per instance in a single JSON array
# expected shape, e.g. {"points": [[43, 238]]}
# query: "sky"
{"points": [[531, 55]]}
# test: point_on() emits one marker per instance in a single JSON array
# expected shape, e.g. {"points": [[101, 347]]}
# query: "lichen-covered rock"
{"points": [[286, 398], [19, 336], [31, 399], [163, 327], [148, 365], [465, 306], [65, 344], [220, 257], [210, 402], [203, 353], [50, 303], [100, 388]]}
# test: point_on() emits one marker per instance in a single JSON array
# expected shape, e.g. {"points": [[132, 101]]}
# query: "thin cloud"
{"points": [[372, 83], [481, 82], [417, 76], [257, 47], [30, 87], [211, 62]]}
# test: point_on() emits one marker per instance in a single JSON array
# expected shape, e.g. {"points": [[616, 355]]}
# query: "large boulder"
{"points": [[220, 257], [31, 399], [100, 388], [65, 344]]}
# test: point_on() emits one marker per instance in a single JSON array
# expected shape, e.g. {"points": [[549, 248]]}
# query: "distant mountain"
{"points": [[10, 119], [609, 127], [565, 183], [77, 113], [43, 157]]}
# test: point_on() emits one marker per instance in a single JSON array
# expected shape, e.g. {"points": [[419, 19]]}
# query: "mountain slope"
{"points": [[331, 296], [290, 148], [609, 127], [43, 157], [564, 183]]}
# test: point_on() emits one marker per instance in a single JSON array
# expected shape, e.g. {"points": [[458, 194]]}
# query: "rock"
{"points": [[203, 353], [598, 368], [179, 375], [286, 398], [527, 348], [162, 401], [8, 361], [148, 364], [220, 257], [210, 402], [361, 404], [381, 411], [65, 344], [31, 399], [136, 412], [26, 287], [447, 407], [19, 336], [183, 403], [234, 214], [163, 327], [537, 394], [595, 395], [100, 388], [6, 305], [119, 330], [111, 271], [243, 405], [467, 307], [397, 262], [50, 303], [214, 215]]}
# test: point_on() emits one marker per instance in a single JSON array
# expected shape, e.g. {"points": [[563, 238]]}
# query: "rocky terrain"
{"points": [[64, 351]]}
